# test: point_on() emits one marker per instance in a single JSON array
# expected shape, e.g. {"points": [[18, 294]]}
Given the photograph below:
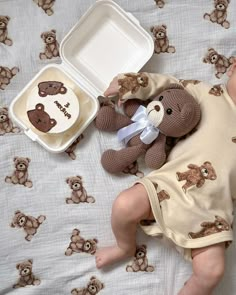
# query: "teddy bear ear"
{"points": [[42, 35], [17, 211], [18, 265], [15, 159], [30, 261], [28, 160], [53, 31], [79, 177], [67, 179], [152, 28], [12, 225], [174, 86], [93, 278]]}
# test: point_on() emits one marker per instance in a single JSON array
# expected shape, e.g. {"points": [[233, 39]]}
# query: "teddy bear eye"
{"points": [[169, 111], [160, 98]]}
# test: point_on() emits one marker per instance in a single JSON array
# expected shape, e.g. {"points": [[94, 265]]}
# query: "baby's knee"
{"points": [[211, 272], [122, 206]]}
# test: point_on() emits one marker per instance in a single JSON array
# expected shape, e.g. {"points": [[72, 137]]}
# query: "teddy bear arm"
{"points": [[156, 155], [109, 120], [131, 106]]}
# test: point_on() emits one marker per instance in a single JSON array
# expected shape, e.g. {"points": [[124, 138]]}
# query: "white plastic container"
{"points": [[106, 41]]}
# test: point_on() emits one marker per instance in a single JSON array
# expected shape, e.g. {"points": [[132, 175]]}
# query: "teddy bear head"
{"points": [[3, 115], [174, 111], [21, 164], [25, 268], [90, 246], [19, 219], [51, 88], [221, 224], [41, 119], [49, 37], [94, 286], [75, 182], [159, 32], [221, 5], [4, 21], [211, 57], [207, 171], [141, 251]]}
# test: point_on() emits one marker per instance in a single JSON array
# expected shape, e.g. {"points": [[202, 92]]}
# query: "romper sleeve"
{"points": [[146, 86]]}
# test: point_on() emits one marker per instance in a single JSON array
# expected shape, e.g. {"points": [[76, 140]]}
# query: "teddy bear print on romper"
{"points": [[199, 175]]}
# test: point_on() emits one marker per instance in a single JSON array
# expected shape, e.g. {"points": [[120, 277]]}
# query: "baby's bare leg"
{"points": [[131, 206], [208, 269]]}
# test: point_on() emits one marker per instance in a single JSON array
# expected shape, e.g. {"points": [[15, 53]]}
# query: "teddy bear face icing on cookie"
{"points": [[52, 107], [40, 119], [51, 88]]}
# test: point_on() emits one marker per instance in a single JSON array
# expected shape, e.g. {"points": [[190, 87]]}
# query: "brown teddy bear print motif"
{"points": [[51, 45], [26, 275], [160, 3], [6, 75], [3, 30], [70, 151], [78, 244], [140, 261], [51, 88], [220, 62], [28, 223], [196, 175], [41, 119], [79, 194], [46, 5], [219, 14], [132, 83], [94, 286], [216, 90], [185, 83], [20, 174], [161, 41], [6, 125], [209, 228]]}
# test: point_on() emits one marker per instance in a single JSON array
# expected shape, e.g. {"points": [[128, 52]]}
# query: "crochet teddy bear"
{"points": [[172, 113]]}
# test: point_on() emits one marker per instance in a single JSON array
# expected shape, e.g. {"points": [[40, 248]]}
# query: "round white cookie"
{"points": [[52, 107]]}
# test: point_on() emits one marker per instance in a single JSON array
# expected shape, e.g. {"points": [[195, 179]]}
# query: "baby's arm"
{"points": [[138, 85]]}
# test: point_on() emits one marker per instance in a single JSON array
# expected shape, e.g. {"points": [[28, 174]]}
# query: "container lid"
{"points": [[105, 42]]}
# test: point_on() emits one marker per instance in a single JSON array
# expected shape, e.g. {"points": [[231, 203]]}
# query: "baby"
{"points": [[199, 179]]}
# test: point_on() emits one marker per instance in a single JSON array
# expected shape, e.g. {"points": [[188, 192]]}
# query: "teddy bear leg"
{"points": [[225, 24], [42, 56], [41, 219], [68, 252], [116, 161], [8, 42], [149, 268], [28, 183], [70, 201], [75, 291], [129, 268], [36, 282], [109, 120], [90, 199]]}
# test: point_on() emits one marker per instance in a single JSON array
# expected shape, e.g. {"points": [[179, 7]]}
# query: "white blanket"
{"points": [[54, 272]]}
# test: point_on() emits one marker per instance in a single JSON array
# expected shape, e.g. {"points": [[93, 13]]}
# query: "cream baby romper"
{"points": [[192, 194]]}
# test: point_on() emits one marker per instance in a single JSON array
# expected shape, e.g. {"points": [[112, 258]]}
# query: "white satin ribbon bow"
{"points": [[141, 124]]}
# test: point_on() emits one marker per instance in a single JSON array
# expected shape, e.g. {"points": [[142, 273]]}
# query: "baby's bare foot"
{"points": [[109, 255]]}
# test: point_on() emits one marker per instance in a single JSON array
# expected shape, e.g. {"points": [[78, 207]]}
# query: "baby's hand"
{"points": [[113, 90]]}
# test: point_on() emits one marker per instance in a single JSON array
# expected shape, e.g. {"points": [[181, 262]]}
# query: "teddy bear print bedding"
{"points": [[55, 207]]}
